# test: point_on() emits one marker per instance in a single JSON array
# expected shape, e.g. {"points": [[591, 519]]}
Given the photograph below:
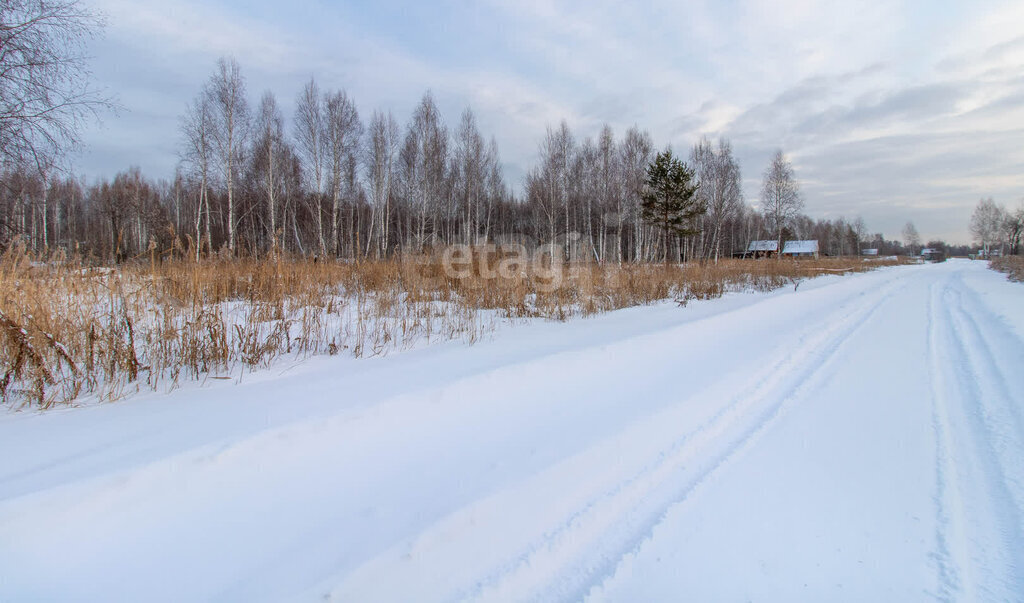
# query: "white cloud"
{"points": [[898, 101], [186, 29]]}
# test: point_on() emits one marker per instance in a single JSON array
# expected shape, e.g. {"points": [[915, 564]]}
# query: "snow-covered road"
{"points": [[861, 438]]}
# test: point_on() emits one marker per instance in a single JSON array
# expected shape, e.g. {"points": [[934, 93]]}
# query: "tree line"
{"points": [[328, 181], [995, 227]]}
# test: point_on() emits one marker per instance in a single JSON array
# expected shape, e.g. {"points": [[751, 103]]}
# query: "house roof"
{"points": [[801, 247], [763, 246]]}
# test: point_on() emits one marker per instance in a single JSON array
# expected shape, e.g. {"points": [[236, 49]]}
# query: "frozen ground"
{"points": [[859, 439]]}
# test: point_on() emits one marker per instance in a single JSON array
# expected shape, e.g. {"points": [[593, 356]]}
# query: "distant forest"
{"points": [[330, 182]]}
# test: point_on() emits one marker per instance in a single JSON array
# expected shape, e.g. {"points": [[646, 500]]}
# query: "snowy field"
{"points": [[858, 439]]}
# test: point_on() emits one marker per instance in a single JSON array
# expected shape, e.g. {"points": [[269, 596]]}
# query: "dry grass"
{"points": [[1012, 265], [68, 330]]}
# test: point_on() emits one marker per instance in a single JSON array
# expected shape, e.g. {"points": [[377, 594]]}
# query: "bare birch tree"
{"points": [[550, 181], [985, 223], [718, 185], [780, 194], [342, 137], [45, 92], [311, 138], [496, 189], [472, 160], [425, 166], [269, 162], [231, 119], [860, 230], [609, 191], [379, 158], [197, 129], [911, 238], [636, 153]]}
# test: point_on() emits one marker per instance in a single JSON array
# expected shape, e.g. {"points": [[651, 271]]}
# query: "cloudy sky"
{"points": [[892, 111]]}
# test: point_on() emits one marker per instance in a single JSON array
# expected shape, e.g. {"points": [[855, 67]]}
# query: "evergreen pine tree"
{"points": [[669, 199]]}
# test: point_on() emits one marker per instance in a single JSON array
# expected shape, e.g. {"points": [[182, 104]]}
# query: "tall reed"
{"points": [[69, 329]]}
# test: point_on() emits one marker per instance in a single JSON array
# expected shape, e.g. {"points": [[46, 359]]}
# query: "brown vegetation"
{"points": [[67, 329], [1012, 265]]}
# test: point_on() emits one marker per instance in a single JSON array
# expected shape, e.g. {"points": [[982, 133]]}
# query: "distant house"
{"points": [[870, 252], [759, 249], [801, 249], [932, 255]]}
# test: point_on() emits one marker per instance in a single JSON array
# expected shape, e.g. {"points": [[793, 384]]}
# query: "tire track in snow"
{"points": [[656, 486], [992, 363], [707, 449], [982, 441], [586, 545], [994, 407], [949, 512]]}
